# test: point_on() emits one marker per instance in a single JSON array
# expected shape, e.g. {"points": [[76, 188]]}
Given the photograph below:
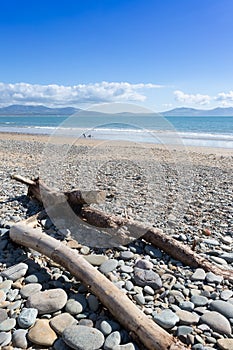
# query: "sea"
{"points": [[188, 131]]}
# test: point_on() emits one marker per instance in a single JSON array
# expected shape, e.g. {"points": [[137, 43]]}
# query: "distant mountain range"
{"points": [[36, 110], [180, 112], [192, 112]]}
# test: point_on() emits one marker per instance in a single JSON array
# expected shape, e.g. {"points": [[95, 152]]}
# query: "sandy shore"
{"points": [[92, 142]]}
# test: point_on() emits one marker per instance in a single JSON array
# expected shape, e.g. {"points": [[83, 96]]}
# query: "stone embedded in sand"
{"points": [[48, 301], [42, 334]]}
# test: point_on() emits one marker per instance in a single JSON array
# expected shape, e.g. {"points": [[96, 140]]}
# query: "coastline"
{"points": [[44, 138]]}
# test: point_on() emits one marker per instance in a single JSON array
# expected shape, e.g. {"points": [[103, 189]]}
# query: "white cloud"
{"points": [[197, 99], [60, 95], [226, 99]]}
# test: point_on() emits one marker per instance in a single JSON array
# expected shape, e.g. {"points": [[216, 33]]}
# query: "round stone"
{"points": [[85, 250], [95, 259], [198, 275], [15, 272], [7, 325], [6, 285], [5, 338], [184, 330], [27, 317], [186, 305], [73, 307], [218, 260], [32, 279], [112, 340], [48, 301], [212, 278], [149, 290], [139, 298], [108, 266], [42, 334], [19, 339], [226, 294], [60, 322], [166, 319], [82, 337], [147, 278], [105, 327], [187, 318], [144, 264], [30, 289], [3, 315], [216, 322], [199, 300], [225, 344], [129, 285], [126, 269], [127, 255], [223, 307], [93, 302]]}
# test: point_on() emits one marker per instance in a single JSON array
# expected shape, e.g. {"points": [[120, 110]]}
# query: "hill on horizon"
{"points": [[179, 112]]}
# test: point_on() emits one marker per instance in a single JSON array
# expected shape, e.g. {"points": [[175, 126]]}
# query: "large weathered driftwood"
{"points": [[38, 190], [142, 329], [157, 237]]}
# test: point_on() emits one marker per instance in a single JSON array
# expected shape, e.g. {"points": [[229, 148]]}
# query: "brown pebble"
{"points": [[74, 244], [17, 285], [206, 232], [42, 334]]}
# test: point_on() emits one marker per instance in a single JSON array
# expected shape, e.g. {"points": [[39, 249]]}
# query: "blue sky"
{"points": [[157, 53]]}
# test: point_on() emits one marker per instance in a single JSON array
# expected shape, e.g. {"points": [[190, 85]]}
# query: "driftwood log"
{"points": [[144, 330], [153, 235], [39, 191], [158, 238]]}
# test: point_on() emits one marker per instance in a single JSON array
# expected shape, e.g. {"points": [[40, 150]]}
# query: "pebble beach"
{"points": [[186, 192]]}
